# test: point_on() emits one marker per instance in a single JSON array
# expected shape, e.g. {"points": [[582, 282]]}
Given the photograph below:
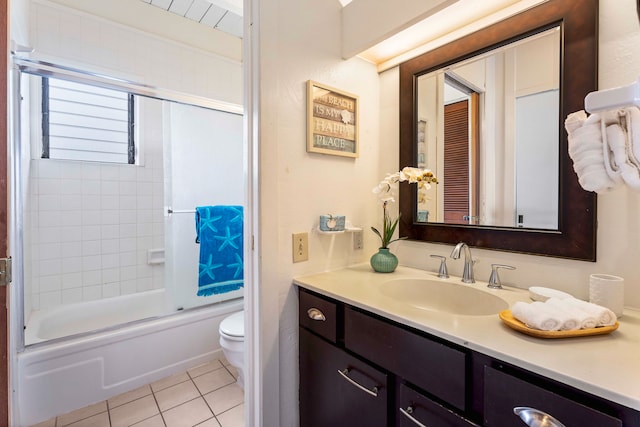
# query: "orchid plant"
{"points": [[386, 194]]}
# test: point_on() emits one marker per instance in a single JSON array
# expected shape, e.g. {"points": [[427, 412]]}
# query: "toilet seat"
{"points": [[233, 326]]}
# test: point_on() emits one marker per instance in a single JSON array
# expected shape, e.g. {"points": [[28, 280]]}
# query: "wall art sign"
{"points": [[332, 121]]}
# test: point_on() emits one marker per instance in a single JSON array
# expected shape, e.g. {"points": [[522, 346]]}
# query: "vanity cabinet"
{"points": [[361, 369], [504, 392], [338, 389]]}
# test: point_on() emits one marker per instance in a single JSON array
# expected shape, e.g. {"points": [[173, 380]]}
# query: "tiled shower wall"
{"points": [[92, 226], [88, 226]]}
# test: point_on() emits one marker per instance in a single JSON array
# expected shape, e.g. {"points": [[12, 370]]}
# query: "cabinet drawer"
{"points": [[437, 368], [424, 411], [504, 392], [357, 397], [318, 315]]}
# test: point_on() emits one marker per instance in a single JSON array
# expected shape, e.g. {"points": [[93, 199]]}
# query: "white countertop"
{"points": [[605, 365]]}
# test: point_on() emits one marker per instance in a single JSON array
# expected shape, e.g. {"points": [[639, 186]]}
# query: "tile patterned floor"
{"points": [[205, 396]]}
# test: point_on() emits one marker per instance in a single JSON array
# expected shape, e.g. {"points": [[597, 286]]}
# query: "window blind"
{"points": [[84, 122]]}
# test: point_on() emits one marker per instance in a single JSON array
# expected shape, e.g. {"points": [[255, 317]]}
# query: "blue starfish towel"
{"points": [[219, 232]]}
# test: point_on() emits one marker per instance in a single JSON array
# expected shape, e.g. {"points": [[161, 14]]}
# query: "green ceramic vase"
{"points": [[384, 261]]}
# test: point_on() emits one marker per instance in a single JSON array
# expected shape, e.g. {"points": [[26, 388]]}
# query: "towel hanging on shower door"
{"points": [[219, 232]]}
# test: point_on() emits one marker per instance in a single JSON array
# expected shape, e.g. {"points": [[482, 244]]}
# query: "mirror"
{"points": [[567, 227], [495, 169]]}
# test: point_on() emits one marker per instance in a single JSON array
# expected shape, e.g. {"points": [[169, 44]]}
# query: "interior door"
{"points": [[461, 163], [4, 234]]}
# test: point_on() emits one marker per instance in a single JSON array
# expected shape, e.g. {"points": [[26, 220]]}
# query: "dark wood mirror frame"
{"points": [[576, 234]]}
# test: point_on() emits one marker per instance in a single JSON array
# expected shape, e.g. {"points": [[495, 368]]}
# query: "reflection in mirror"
{"points": [[515, 196], [488, 126]]}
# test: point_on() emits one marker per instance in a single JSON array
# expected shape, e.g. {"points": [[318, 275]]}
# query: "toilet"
{"points": [[232, 342]]}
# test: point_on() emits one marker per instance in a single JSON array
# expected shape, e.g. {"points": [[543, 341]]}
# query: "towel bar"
{"points": [[172, 211]]}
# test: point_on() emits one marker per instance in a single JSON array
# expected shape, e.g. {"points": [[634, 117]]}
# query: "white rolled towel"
{"points": [[584, 318], [536, 315], [604, 316]]}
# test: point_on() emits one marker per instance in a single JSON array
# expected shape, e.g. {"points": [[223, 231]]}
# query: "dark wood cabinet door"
{"points": [[413, 409], [327, 398], [504, 392]]}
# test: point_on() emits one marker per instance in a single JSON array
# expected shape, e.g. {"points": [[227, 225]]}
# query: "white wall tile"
{"points": [[90, 186], [128, 259], [51, 283], [110, 246], [49, 234], [91, 247], [49, 202], [71, 233], [110, 260], [91, 262], [72, 202], [128, 202], [110, 275], [71, 186], [110, 290], [109, 231], [91, 293], [128, 287], [128, 273], [72, 218], [93, 277], [91, 217], [71, 296], [72, 280], [48, 251], [49, 299], [111, 188], [108, 202], [71, 249], [128, 230], [50, 219], [91, 232], [50, 266]]}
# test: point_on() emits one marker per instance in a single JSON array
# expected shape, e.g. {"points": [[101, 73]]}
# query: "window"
{"points": [[84, 122]]}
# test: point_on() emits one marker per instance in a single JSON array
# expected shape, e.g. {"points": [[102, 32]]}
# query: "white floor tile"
{"points": [[225, 398], [213, 380], [134, 412], [234, 417], [83, 413], [176, 395], [188, 414]]}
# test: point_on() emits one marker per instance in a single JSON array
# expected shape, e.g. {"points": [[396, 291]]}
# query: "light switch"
{"points": [[300, 247]]}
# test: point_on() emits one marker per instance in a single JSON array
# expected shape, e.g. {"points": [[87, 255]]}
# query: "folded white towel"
{"points": [[566, 314], [536, 315], [633, 131], [604, 316], [586, 151], [618, 141], [584, 319]]}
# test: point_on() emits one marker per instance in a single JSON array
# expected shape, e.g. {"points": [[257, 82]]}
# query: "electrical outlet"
{"points": [[300, 247], [357, 239]]}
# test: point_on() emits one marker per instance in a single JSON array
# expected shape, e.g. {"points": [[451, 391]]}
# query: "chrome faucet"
{"points": [[467, 274]]}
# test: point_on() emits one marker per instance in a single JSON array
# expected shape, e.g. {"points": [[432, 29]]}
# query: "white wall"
{"points": [[300, 40]]}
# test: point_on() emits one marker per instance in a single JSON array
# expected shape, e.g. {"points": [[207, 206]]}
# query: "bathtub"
{"points": [[68, 374]]}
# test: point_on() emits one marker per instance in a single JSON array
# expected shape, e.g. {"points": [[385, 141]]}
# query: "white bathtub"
{"points": [[64, 375]]}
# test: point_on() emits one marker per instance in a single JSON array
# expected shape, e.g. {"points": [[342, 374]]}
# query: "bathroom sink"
{"points": [[447, 297]]}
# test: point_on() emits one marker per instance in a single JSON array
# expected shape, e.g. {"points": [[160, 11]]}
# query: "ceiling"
{"points": [[222, 15]]}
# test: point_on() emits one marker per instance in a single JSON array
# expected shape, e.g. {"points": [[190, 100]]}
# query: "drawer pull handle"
{"points": [[536, 418], [316, 314], [373, 392], [407, 413]]}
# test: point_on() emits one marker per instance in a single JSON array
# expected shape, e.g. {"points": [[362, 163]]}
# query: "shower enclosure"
{"points": [[109, 262]]}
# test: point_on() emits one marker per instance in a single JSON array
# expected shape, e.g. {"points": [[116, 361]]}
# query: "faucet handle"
{"points": [[443, 273], [494, 279]]}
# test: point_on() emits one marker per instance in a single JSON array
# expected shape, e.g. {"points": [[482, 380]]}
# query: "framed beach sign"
{"points": [[332, 121]]}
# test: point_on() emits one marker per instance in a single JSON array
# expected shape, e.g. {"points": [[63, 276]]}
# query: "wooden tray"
{"points": [[514, 323]]}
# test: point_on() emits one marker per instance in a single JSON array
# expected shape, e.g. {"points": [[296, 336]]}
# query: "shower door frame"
{"points": [[4, 209]]}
